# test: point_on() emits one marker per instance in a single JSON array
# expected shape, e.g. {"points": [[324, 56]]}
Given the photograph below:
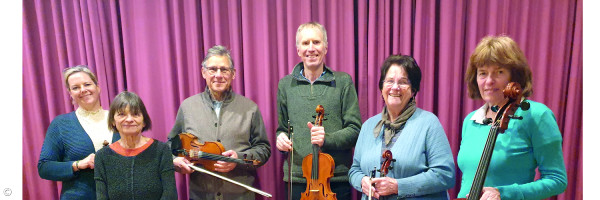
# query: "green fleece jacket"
{"points": [[297, 100]]}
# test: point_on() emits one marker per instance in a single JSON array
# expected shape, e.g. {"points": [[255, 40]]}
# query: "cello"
{"points": [[318, 168], [514, 93]]}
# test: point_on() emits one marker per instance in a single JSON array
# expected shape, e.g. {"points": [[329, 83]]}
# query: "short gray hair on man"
{"points": [[79, 68], [218, 50], [311, 25]]}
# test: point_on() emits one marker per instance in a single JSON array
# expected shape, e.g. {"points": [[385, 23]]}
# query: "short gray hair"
{"points": [[311, 25], [218, 50], [79, 68]]}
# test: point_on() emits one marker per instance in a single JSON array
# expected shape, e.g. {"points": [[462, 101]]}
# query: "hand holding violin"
{"points": [[385, 186], [367, 185], [222, 166], [317, 134]]}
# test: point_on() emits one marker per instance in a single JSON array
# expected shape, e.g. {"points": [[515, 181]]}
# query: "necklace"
{"points": [[91, 116]]}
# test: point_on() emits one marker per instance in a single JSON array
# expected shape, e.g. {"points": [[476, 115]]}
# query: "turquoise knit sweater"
{"points": [[534, 142]]}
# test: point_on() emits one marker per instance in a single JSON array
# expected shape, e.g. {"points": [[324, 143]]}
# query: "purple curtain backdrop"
{"points": [[155, 48]]}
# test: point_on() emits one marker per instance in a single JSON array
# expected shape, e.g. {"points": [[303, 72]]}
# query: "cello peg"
{"points": [[487, 121], [495, 108], [515, 117], [524, 105]]}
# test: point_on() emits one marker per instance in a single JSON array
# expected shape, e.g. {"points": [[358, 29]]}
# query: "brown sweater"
{"points": [[240, 127]]}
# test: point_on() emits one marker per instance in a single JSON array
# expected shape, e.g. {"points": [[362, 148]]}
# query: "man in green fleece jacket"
{"points": [[311, 83]]}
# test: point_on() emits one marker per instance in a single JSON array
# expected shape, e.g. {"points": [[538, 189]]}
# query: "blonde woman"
{"points": [[72, 139]]}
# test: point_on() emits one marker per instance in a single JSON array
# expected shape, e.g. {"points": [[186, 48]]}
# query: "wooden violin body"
{"points": [[318, 188], [207, 153], [318, 168]]}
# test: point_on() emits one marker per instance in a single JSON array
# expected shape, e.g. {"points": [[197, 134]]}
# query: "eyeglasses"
{"points": [[214, 70], [402, 83]]}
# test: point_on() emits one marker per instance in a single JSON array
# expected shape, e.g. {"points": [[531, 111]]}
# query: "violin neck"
{"points": [[210, 156], [315, 162], [484, 163]]}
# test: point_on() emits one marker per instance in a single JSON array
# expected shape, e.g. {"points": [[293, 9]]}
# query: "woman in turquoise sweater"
{"points": [[527, 144], [424, 165]]}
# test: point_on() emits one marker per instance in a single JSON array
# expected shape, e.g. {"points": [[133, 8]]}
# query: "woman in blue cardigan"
{"points": [[530, 143], [72, 139], [424, 165]]}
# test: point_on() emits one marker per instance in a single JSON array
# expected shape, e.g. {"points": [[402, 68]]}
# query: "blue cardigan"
{"points": [[66, 142], [424, 166]]}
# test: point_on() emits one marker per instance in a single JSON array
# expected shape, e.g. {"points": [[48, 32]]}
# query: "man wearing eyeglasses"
{"points": [[220, 115], [311, 83]]}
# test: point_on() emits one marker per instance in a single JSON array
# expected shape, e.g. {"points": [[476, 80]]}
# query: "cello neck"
{"points": [[484, 163]]}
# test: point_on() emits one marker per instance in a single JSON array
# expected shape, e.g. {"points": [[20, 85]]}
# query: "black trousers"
{"points": [[341, 189]]}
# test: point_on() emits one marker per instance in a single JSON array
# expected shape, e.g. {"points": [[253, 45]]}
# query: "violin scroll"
{"points": [[253, 161], [320, 114], [387, 163]]}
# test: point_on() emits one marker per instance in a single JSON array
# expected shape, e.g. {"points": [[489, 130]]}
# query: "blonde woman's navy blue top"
{"points": [[66, 142]]}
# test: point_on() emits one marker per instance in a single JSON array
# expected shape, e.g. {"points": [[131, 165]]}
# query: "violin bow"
{"points": [[290, 159], [370, 179], [231, 181]]}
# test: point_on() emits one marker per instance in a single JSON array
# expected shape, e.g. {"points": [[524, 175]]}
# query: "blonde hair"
{"points": [[503, 52], [311, 25], [79, 68]]}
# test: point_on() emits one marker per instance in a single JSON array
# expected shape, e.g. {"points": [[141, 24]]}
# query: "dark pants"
{"points": [[341, 189]]}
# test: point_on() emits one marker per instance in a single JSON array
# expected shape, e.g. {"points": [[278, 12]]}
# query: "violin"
{"points": [[386, 165], [317, 168], [514, 93], [207, 153]]}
